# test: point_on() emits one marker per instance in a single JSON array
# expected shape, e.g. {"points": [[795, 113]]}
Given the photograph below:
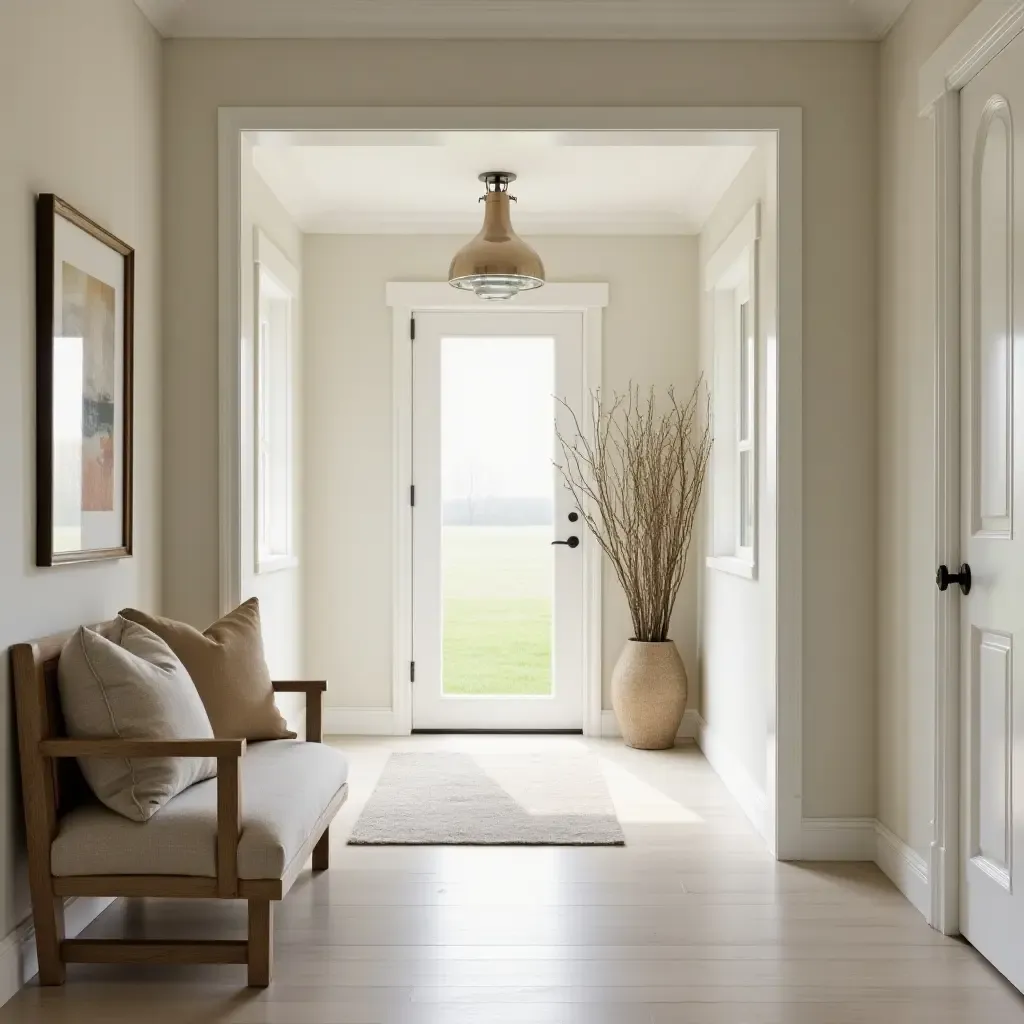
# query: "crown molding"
{"points": [[538, 19], [162, 14]]}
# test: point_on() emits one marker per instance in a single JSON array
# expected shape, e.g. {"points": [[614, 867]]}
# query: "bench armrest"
{"points": [[314, 690], [142, 748], [229, 797], [300, 686]]}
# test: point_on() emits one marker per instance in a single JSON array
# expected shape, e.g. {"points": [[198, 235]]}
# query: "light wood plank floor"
{"points": [[690, 923]]}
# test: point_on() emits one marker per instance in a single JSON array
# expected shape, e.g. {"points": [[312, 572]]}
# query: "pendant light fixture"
{"points": [[497, 264]]}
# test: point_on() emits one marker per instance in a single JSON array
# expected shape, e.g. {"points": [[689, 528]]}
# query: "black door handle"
{"points": [[944, 577], [572, 542]]}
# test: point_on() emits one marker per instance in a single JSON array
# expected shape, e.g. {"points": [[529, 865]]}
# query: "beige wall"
{"points": [[737, 615], [650, 337], [279, 592], [836, 84], [80, 117], [906, 367]]}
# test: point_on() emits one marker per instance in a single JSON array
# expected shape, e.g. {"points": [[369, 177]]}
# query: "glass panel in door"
{"points": [[497, 491]]}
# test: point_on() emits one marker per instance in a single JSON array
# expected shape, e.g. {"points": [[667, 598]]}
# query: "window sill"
{"points": [[732, 565], [275, 563]]}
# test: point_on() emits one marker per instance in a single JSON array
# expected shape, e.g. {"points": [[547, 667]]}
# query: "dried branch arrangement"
{"points": [[636, 477]]}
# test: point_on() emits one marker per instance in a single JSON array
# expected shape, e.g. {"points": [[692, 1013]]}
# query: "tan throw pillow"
{"points": [[227, 665], [132, 687]]}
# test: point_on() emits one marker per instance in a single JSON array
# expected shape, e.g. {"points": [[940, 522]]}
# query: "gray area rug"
{"points": [[512, 799]]}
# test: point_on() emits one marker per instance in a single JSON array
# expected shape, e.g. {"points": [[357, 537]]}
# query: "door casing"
{"points": [[787, 834], [406, 300], [983, 34]]}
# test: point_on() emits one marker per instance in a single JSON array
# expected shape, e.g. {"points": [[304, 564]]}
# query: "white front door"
{"points": [[992, 481], [498, 549]]}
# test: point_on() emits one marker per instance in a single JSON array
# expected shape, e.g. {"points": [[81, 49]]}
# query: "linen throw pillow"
{"points": [[132, 686], [227, 665]]}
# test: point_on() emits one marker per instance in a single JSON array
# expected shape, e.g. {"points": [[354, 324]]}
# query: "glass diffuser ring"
{"points": [[497, 263]]}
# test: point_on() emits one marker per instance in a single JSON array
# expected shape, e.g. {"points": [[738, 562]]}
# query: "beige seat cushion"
{"points": [[227, 665], [130, 685], [288, 786]]}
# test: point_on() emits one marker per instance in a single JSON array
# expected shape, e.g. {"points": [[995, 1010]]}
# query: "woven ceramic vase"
{"points": [[649, 694]]}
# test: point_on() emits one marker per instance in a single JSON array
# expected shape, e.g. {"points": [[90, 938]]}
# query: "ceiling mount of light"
{"points": [[497, 264]]}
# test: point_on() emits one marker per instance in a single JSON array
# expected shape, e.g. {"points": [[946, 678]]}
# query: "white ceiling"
{"points": [[526, 19], [569, 183]]}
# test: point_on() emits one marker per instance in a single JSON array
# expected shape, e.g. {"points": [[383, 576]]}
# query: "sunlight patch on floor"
{"points": [[639, 803]]}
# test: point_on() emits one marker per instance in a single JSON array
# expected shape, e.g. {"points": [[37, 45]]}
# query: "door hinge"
{"points": [[412, 671], [412, 328], [412, 495]]}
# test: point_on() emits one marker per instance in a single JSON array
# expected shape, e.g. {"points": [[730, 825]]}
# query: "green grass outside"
{"points": [[497, 610]]}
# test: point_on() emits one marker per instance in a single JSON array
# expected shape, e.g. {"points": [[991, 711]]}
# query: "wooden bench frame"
{"points": [[49, 777]]}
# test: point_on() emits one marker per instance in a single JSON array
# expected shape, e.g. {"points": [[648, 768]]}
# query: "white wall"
{"points": [[835, 84], [737, 615], [650, 337], [80, 117], [905, 567], [280, 592]]}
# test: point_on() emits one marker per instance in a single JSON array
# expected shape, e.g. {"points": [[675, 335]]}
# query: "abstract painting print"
{"points": [[88, 313]]}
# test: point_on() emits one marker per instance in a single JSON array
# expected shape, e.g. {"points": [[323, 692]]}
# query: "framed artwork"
{"points": [[85, 284]]}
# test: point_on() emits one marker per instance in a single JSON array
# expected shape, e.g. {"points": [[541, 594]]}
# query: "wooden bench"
{"points": [[56, 797]]}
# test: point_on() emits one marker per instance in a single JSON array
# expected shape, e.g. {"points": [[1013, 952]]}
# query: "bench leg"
{"points": [[261, 943], [322, 852], [48, 917]]}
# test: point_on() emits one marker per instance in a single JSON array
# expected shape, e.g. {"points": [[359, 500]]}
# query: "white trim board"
{"points": [[19, 962], [904, 867], [838, 839], [982, 35], [628, 126], [360, 722], [989, 28], [434, 296]]}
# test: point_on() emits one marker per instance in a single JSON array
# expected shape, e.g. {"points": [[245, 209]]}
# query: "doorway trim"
{"points": [[406, 299], [785, 832], [983, 34]]}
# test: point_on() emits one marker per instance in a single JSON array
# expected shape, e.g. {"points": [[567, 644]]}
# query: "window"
{"points": [[731, 283], [276, 288]]}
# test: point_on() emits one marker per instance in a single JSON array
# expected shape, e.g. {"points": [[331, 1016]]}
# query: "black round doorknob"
{"points": [[573, 516], [943, 578], [572, 542]]}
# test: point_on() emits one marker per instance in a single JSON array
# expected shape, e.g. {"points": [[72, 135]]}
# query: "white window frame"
{"points": [[731, 282], [273, 272]]}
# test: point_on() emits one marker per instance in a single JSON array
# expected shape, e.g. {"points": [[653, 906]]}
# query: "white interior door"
{"points": [[497, 603], [992, 614]]}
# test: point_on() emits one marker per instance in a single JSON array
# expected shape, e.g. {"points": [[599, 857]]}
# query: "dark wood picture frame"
{"points": [[48, 208]]}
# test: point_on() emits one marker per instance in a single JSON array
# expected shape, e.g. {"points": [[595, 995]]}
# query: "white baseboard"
{"points": [[747, 793], [359, 721], [687, 728], [837, 839], [19, 962], [904, 867], [381, 722]]}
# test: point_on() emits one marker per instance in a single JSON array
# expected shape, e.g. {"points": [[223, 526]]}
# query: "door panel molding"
{"points": [[992, 481], [990, 732], [986, 31]]}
